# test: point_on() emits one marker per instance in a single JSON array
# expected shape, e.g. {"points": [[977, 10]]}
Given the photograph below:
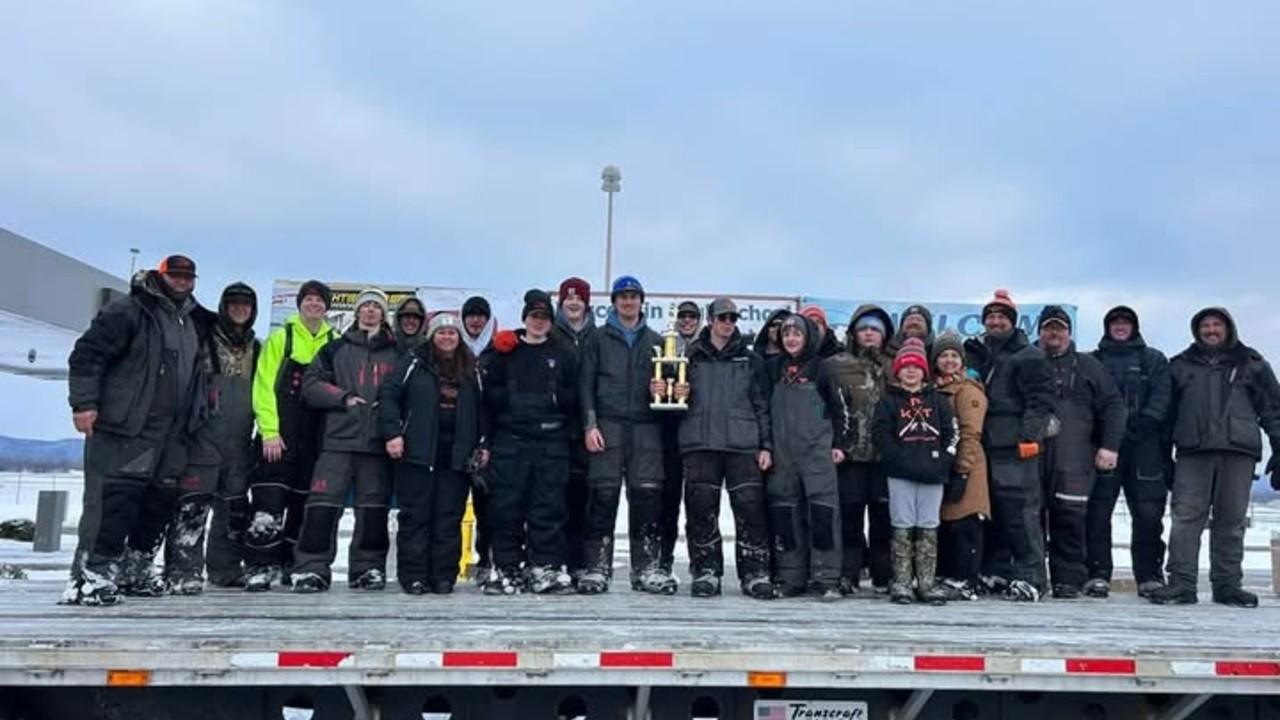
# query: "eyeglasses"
{"points": [[727, 318], [686, 316]]}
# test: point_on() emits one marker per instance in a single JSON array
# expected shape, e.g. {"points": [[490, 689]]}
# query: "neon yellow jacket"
{"points": [[305, 347]]}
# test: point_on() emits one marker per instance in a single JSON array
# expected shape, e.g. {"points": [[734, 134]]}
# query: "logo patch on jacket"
{"points": [[916, 422]]}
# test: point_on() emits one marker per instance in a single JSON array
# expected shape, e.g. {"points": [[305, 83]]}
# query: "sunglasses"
{"points": [[686, 316], [727, 318]]}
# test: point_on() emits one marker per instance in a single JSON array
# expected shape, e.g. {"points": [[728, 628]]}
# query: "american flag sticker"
{"points": [[770, 710]]}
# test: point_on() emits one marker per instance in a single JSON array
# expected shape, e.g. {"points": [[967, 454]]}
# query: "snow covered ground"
{"points": [[19, 492]]}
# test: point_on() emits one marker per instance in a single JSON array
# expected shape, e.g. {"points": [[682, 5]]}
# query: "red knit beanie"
{"points": [[911, 354], [575, 286]]}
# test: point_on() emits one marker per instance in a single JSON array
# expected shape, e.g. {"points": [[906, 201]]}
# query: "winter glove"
{"points": [[1028, 450], [955, 488]]}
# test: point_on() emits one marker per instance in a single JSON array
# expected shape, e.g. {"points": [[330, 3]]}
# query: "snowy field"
{"points": [[19, 493]]}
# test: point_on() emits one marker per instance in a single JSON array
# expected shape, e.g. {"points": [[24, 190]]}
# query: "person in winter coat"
{"points": [[966, 503], [531, 388], [726, 438], [917, 435], [688, 322], [411, 324], [624, 437], [224, 443], [915, 322], [828, 345], [1225, 396], [574, 324], [1091, 418], [1020, 400], [136, 392], [429, 416], [479, 326], [810, 431], [290, 436], [862, 371], [1142, 375], [767, 343], [343, 383]]}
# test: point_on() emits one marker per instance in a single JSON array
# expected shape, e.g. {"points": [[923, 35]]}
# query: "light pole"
{"points": [[133, 261], [611, 178]]}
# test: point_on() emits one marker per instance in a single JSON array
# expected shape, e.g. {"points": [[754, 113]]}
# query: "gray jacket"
{"points": [[728, 398]]}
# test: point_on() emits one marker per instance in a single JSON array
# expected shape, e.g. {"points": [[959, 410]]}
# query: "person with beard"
{"points": [[917, 435], [574, 324], [915, 322], [966, 501], [810, 429], [828, 345], [411, 324], [861, 372], [1021, 401], [1142, 375], [767, 343], [343, 383], [135, 386], [1091, 421], [1225, 396], [223, 454], [726, 437], [430, 417], [624, 438], [531, 389], [290, 434]]}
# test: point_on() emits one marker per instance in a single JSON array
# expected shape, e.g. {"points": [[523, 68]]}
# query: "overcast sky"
{"points": [[1091, 152]]}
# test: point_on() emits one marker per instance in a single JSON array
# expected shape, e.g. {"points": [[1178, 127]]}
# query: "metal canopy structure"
{"points": [[46, 300]]}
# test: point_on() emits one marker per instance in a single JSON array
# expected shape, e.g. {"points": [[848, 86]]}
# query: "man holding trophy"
{"points": [[624, 438], [726, 437]]}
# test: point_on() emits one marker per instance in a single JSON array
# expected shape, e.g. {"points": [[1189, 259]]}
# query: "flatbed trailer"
{"points": [[347, 654]]}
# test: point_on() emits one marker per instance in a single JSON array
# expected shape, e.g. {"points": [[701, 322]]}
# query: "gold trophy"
{"points": [[665, 356]]}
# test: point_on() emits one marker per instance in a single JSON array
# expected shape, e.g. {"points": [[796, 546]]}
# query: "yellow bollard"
{"points": [[468, 529]]}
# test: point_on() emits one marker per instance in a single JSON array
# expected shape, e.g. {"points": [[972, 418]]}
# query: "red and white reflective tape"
{"points": [[1225, 669], [1079, 666], [660, 660], [618, 660]]}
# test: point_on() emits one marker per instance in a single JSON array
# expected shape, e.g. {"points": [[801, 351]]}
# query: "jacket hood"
{"points": [[148, 284], [406, 303], [810, 336], [481, 342], [1117, 311], [384, 337], [1232, 338], [762, 337], [850, 336], [228, 328]]}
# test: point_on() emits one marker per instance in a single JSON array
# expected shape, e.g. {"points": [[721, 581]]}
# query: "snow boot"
{"points": [[441, 587], [593, 582], [706, 586], [260, 579], [657, 582], [759, 588], [1022, 591], [1099, 588], [1146, 588], [1175, 595], [1066, 592], [958, 590], [184, 546], [900, 586], [499, 582], [926, 556], [1235, 597], [307, 583], [372, 579], [139, 577], [94, 588], [547, 580], [417, 587]]}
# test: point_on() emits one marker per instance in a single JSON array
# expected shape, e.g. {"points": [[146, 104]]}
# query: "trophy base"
{"points": [[669, 406]]}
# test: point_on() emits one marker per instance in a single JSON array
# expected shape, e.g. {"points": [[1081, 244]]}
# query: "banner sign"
{"points": [[964, 318]]}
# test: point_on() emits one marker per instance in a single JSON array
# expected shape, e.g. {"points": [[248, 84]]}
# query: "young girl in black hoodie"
{"points": [[916, 434]]}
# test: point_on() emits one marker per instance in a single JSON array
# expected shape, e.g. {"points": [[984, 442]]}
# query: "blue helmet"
{"points": [[626, 283]]}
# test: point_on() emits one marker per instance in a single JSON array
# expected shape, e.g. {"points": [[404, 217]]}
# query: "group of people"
{"points": [[940, 467]]}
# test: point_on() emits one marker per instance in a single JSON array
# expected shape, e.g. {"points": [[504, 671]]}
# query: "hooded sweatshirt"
{"points": [[761, 344], [409, 342], [862, 374], [1141, 374]]}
